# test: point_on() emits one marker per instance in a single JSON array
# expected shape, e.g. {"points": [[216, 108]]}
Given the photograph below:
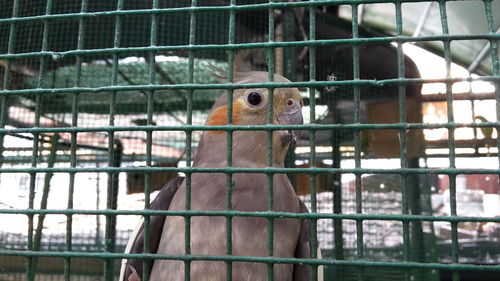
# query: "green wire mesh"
{"points": [[109, 98]]}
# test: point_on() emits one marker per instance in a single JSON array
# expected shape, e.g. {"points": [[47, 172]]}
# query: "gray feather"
{"points": [[208, 192]]}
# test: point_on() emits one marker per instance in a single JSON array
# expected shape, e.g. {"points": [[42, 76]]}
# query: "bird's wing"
{"points": [[131, 269], [303, 272]]}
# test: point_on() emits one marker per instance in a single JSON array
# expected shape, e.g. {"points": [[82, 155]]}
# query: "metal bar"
{"points": [[451, 139], [189, 121], [30, 272], [357, 143], [461, 96], [237, 8], [89, 158], [112, 187], [62, 145], [268, 170], [495, 62], [289, 54], [147, 264], [271, 59], [289, 66], [456, 219], [423, 19], [318, 42], [74, 142], [43, 203], [229, 86], [316, 127], [229, 140], [312, 139], [461, 143], [482, 54], [313, 262], [402, 143], [336, 157]]}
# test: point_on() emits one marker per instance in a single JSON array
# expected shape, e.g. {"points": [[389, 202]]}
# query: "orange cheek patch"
{"points": [[219, 116]]}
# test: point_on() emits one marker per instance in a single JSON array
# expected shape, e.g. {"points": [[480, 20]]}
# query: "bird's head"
{"points": [[251, 107]]}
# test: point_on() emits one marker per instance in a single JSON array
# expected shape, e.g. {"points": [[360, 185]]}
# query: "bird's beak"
{"points": [[291, 115]]}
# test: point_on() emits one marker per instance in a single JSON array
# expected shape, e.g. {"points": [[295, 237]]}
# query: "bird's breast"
{"points": [[249, 235]]}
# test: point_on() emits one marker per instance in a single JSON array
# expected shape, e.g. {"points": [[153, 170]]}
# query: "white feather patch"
{"points": [[128, 247]]}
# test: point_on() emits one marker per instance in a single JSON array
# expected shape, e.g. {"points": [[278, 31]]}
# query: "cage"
{"points": [[104, 102]]}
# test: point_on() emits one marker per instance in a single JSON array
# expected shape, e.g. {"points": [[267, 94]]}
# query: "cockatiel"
{"points": [[250, 194]]}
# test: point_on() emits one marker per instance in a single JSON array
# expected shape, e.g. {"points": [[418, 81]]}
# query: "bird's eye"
{"points": [[254, 98]]}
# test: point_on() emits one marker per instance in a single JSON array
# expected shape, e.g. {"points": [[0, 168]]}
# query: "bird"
{"points": [[291, 236], [486, 131]]}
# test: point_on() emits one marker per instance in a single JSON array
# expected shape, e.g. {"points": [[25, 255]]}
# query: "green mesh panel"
{"points": [[100, 99]]}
